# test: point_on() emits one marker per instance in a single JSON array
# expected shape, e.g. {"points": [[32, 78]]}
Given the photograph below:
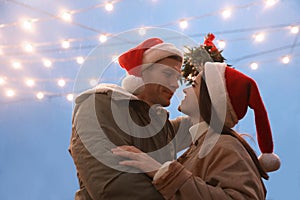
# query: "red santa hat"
{"points": [[137, 59], [242, 92]]}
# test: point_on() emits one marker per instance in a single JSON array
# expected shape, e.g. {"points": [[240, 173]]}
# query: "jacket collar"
{"points": [[198, 130], [118, 93]]}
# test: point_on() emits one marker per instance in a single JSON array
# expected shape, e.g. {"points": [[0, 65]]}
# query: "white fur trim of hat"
{"points": [[132, 84], [160, 51]]}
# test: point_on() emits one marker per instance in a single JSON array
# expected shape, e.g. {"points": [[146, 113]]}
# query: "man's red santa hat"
{"points": [[137, 59]]}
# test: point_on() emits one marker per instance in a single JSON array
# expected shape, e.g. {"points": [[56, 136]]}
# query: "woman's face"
{"points": [[190, 104]]}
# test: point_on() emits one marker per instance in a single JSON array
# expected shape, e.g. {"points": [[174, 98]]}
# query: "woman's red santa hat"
{"points": [[239, 92], [137, 59], [242, 92]]}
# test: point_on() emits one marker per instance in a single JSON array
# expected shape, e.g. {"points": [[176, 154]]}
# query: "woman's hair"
{"points": [[206, 111]]}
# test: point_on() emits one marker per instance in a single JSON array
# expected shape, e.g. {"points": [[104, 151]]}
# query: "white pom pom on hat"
{"points": [[132, 84]]}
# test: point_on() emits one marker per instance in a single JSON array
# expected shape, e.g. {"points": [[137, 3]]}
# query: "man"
{"points": [[109, 116]]}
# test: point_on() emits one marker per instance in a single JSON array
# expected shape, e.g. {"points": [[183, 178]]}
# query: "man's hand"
{"points": [[138, 158]]}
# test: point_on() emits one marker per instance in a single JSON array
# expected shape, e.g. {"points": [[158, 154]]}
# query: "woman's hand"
{"points": [[138, 158]]}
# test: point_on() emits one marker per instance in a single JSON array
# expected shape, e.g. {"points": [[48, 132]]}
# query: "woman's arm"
{"points": [[229, 174]]}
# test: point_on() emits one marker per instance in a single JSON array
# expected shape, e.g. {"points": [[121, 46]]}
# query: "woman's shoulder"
{"points": [[231, 143]]}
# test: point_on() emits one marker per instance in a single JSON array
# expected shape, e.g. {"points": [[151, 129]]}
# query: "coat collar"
{"points": [[198, 130], [118, 93]]}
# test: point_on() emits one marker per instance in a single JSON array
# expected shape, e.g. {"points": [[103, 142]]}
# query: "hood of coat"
{"points": [[118, 93]]}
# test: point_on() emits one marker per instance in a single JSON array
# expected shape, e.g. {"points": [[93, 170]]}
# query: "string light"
{"points": [[2, 80], [16, 65], [66, 16], [109, 6], [28, 47], [294, 29], [70, 97], [40, 95], [10, 93], [61, 82], [30, 82], [65, 44], [47, 63], [254, 66], [226, 13], [80, 60], [93, 82], [102, 38], [27, 24], [142, 31], [285, 59], [259, 37], [183, 24], [270, 3], [221, 44]]}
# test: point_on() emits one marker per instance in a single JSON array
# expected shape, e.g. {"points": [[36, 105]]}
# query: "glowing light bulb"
{"points": [[61, 82], [102, 38], [93, 82], [221, 44], [65, 44], [30, 82], [66, 16], [183, 24], [2, 80], [28, 47], [270, 3], [142, 31], [294, 29], [27, 24], [16, 65], [109, 6], [40, 95], [259, 37], [80, 60], [70, 97], [254, 66], [226, 13], [47, 63], [285, 59], [10, 93]]}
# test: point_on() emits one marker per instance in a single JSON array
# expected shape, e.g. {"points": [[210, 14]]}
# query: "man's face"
{"points": [[190, 104], [161, 81]]}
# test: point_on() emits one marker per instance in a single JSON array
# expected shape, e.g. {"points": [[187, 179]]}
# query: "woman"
{"points": [[219, 164]]}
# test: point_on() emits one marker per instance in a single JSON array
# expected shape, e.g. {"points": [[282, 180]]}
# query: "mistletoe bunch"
{"points": [[196, 57]]}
